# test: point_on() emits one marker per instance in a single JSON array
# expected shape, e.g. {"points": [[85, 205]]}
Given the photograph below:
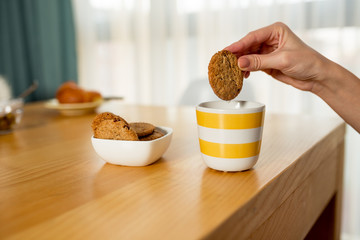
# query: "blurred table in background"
{"points": [[54, 186]]}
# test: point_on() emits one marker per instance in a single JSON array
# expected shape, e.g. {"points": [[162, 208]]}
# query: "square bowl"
{"points": [[132, 153]]}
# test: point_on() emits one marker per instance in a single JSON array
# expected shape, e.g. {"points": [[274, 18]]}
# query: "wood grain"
{"points": [[53, 185], [310, 198]]}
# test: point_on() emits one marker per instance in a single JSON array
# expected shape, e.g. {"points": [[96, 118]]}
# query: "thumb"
{"points": [[256, 62]]}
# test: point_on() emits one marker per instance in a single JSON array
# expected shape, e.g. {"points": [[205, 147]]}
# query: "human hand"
{"points": [[276, 50]]}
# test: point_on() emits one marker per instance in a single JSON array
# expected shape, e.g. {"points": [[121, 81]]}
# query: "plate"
{"points": [[73, 109]]}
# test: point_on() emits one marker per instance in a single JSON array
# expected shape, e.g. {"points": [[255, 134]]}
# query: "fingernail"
{"points": [[243, 63]]}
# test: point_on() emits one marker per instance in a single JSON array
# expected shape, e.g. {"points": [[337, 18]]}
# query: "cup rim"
{"points": [[204, 107]]}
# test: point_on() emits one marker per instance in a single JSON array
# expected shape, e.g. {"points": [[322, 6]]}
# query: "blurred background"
{"points": [[157, 52]]}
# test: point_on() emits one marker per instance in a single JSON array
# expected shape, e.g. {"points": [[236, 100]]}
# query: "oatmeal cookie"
{"points": [[225, 76], [104, 116], [110, 126], [142, 129], [156, 134]]}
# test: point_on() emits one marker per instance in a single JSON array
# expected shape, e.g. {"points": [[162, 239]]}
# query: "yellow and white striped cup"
{"points": [[230, 133]]}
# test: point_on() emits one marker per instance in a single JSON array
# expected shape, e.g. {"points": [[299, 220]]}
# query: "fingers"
{"points": [[256, 62], [252, 41]]}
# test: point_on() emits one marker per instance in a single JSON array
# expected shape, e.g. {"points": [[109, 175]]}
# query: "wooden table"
{"points": [[54, 186]]}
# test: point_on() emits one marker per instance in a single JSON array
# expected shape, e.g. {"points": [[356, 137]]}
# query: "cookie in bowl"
{"points": [[109, 126]]}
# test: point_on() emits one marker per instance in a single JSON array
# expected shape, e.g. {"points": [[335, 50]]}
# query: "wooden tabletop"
{"points": [[54, 186]]}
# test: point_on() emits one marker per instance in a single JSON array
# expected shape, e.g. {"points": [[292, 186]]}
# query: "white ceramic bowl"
{"points": [[132, 153]]}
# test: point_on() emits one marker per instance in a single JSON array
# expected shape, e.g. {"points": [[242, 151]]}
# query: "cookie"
{"points": [[104, 116], [155, 135], [225, 76], [110, 126], [142, 129]]}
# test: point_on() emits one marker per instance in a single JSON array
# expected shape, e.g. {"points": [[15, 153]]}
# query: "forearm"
{"points": [[340, 89]]}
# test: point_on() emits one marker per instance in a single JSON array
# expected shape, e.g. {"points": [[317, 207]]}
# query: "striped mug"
{"points": [[230, 133]]}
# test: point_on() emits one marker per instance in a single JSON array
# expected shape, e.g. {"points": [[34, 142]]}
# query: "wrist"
{"points": [[340, 89], [329, 79]]}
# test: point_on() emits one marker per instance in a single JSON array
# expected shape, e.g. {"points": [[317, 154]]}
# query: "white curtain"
{"points": [[154, 51]]}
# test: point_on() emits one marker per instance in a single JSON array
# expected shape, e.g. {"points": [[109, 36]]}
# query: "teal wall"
{"points": [[37, 42]]}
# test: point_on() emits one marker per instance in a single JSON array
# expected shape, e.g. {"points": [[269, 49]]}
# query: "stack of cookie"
{"points": [[107, 125]]}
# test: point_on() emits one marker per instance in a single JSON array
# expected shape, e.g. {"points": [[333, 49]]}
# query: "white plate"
{"points": [[73, 109]]}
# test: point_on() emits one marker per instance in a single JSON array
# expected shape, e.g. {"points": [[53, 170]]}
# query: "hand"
{"points": [[276, 50]]}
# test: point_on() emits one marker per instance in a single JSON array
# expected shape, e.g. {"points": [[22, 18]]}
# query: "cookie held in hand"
{"points": [[225, 76]]}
